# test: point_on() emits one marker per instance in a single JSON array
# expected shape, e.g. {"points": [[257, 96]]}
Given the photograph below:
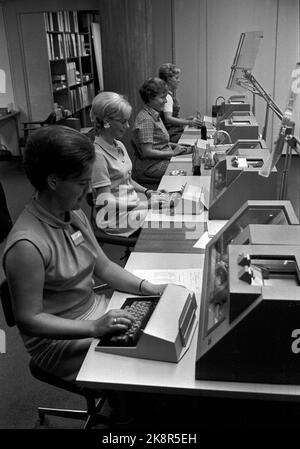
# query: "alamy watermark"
{"points": [[119, 211]]}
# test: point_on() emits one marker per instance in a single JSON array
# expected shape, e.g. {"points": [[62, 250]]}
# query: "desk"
{"points": [[176, 238], [113, 372], [9, 134], [100, 370]]}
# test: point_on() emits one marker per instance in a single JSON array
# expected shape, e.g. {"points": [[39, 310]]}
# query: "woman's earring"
{"points": [[106, 125]]}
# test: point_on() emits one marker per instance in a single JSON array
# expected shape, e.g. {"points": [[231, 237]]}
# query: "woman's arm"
{"points": [[149, 153], [181, 121], [123, 280], [25, 275], [104, 197]]}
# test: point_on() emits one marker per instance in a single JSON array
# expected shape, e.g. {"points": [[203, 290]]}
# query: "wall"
{"points": [[206, 37], [136, 39], [8, 97]]}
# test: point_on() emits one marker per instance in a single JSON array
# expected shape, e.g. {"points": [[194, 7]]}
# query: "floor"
{"points": [[21, 394]]}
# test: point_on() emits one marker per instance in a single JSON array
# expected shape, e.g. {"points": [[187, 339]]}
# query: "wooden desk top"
{"points": [[176, 238]]}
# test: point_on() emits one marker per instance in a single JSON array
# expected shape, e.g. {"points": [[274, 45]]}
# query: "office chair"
{"points": [[94, 403], [31, 126], [141, 178], [5, 218], [5, 155], [102, 237]]}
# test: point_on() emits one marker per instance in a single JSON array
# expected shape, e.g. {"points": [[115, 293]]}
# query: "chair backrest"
{"points": [[5, 219], [51, 119], [6, 304], [135, 145], [101, 236]]}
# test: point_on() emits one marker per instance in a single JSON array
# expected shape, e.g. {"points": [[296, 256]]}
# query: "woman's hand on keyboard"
{"points": [[161, 201], [113, 321], [179, 150]]}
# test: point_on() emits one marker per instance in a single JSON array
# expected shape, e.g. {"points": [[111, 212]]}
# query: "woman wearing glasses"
{"points": [[121, 202]]}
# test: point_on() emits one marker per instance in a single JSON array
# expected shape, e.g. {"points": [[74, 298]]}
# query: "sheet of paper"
{"points": [[202, 144], [187, 140], [208, 119], [161, 216], [191, 130], [173, 183], [204, 196], [181, 158], [214, 226], [192, 193], [242, 162], [203, 241], [189, 277]]}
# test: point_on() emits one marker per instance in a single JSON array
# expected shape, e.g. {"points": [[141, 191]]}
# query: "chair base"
{"points": [[91, 415]]}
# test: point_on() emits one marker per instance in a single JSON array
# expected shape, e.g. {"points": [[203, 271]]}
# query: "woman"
{"points": [[121, 202], [52, 257], [151, 135], [175, 125]]}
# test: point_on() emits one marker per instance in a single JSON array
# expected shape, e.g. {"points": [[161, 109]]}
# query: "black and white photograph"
{"points": [[149, 221]]}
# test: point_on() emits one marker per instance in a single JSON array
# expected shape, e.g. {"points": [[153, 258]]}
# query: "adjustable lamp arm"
{"points": [[259, 90]]}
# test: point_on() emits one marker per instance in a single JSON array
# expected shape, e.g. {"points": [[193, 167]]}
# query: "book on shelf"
{"points": [[55, 46], [61, 21], [71, 73]]}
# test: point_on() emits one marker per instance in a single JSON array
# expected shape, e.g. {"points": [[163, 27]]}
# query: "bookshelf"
{"points": [[65, 81]]}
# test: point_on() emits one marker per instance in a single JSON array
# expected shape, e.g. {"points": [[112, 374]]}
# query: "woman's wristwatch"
{"points": [[146, 193]]}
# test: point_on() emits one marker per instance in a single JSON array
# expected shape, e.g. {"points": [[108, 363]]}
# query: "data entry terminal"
{"points": [[236, 179], [251, 297], [163, 327]]}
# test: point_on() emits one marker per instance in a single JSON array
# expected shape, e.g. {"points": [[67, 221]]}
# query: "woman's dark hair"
{"points": [[56, 150], [151, 88], [167, 71]]}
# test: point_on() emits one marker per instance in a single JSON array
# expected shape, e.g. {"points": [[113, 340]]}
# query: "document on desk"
{"points": [[192, 193], [180, 158], [203, 241], [214, 226], [191, 278], [189, 140], [208, 119], [205, 188], [202, 145], [191, 130]]}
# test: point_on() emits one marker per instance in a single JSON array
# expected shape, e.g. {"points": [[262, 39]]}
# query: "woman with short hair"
{"points": [[174, 124], [122, 204], [150, 133], [51, 258]]}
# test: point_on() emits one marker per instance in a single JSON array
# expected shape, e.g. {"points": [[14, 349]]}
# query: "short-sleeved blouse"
{"points": [[113, 168], [149, 128]]}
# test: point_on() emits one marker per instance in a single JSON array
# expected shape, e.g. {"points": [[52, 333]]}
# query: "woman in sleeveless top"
{"points": [[52, 258], [170, 115]]}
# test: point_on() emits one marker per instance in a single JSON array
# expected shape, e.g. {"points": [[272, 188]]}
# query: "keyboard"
{"points": [[141, 309]]}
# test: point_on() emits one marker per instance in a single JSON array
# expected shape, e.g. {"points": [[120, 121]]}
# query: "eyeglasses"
{"points": [[121, 121]]}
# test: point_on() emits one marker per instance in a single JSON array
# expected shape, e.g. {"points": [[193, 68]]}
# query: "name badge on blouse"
{"points": [[77, 238]]}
